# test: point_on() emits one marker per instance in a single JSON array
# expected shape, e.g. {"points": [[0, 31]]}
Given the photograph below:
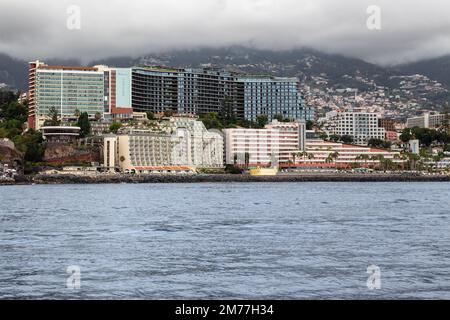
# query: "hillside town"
{"points": [[146, 120]]}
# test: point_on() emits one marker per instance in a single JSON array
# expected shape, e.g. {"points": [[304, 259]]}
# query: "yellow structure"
{"points": [[258, 171]]}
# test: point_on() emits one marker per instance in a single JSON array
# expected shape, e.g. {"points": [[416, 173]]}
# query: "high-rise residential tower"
{"points": [[200, 91], [66, 89]]}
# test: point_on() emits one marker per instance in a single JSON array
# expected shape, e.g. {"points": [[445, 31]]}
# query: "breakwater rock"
{"points": [[221, 178]]}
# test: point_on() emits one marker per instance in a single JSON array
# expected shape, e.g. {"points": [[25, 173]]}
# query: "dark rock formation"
{"points": [[224, 178]]}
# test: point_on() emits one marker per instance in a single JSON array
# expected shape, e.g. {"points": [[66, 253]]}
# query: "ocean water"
{"points": [[225, 241]]}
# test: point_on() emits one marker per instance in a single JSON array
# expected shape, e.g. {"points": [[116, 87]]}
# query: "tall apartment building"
{"points": [[361, 126], [200, 91], [66, 89], [273, 145], [272, 96], [177, 143], [427, 120], [116, 92], [185, 91]]}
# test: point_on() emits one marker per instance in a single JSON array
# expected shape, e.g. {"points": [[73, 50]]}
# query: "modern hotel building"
{"points": [[317, 154], [428, 120], [272, 96], [67, 89], [362, 126], [177, 144], [116, 92], [200, 91], [272, 145], [184, 91]]}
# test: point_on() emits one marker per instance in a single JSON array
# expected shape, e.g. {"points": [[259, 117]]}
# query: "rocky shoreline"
{"points": [[224, 178]]}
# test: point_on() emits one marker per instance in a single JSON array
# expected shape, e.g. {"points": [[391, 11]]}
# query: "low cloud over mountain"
{"points": [[410, 31]]}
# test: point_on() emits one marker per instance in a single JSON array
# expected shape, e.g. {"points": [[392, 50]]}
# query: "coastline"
{"points": [[224, 178]]}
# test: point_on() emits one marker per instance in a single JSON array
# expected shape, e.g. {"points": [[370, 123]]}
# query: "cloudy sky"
{"points": [[410, 30]]}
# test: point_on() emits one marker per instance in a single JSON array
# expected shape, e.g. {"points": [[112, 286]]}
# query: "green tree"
{"points": [[150, 115], [262, 120], [323, 136], [227, 113], [31, 144], [406, 135], [247, 159], [281, 118], [7, 96], [309, 125], [346, 139], [54, 118], [211, 121], [11, 128], [14, 111], [364, 157], [3, 133], [334, 138], [115, 126], [84, 124]]}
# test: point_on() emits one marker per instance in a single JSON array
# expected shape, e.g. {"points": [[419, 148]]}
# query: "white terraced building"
{"points": [[346, 153], [269, 146], [179, 145], [317, 154], [362, 126]]}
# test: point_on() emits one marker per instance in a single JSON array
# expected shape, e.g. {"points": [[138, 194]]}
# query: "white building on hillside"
{"points": [[179, 145], [262, 147], [362, 126], [427, 120]]}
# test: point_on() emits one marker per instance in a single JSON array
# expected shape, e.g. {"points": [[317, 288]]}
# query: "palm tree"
{"points": [[364, 157], [247, 159], [310, 157], [332, 157], [412, 160], [436, 160]]}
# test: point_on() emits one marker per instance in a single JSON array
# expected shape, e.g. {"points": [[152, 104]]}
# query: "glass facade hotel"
{"points": [[68, 91], [273, 97], [116, 92], [200, 91]]}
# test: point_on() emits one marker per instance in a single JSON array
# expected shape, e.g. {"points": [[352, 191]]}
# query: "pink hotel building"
{"points": [[285, 145]]}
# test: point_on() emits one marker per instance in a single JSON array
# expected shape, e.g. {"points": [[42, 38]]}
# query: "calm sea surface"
{"points": [[283, 241]]}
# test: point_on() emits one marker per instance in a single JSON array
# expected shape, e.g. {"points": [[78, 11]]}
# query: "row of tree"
{"points": [[13, 116], [426, 136]]}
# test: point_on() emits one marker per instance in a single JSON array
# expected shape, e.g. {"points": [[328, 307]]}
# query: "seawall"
{"points": [[225, 178]]}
